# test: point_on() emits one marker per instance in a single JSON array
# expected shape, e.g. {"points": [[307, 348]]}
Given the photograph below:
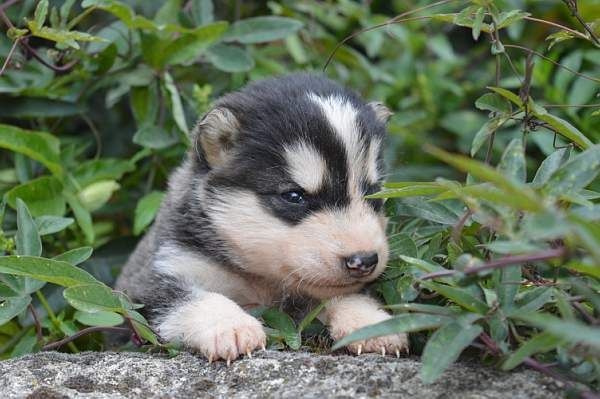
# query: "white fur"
{"points": [[214, 325], [346, 314], [342, 116], [372, 170], [306, 256], [201, 273], [306, 166]]}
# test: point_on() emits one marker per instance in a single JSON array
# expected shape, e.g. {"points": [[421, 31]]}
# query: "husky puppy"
{"points": [[269, 205]]}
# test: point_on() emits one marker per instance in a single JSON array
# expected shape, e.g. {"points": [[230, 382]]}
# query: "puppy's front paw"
{"points": [[229, 337], [344, 325]]}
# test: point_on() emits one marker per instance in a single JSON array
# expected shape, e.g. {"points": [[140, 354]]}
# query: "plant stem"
{"points": [[69, 340], [52, 317], [36, 321], [501, 263]]}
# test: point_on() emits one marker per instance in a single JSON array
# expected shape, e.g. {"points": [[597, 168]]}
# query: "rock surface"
{"points": [[53, 375]]}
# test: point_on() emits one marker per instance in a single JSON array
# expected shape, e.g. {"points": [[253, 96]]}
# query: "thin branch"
{"points": [[553, 62], [571, 105], [96, 134], [9, 56], [457, 229], [501, 263], [572, 4], [397, 19], [89, 330], [368, 29], [41, 60], [36, 321], [543, 21]]}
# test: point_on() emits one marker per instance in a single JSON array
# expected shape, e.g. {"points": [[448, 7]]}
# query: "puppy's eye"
{"points": [[294, 197]]}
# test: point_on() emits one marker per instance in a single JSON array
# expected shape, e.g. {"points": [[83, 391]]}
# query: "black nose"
{"points": [[361, 264]]}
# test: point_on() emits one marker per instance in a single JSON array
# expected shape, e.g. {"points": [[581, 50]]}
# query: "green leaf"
{"points": [[508, 286], [190, 46], [521, 193], [284, 323], [52, 224], [532, 301], [203, 11], [229, 58], [10, 307], [404, 323], [75, 256], [43, 269], [146, 210], [575, 174], [460, 296], [94, 196], [27, 344], [484, 133], [419, 189], [101, 318], [539, 343], [509, 95], [41, 12], [432, 211], [155, 137], [142, 328], [39, 146], [508, 18], [96, 170], [262, 29], [83, 217], [494, 103], [168, 12], [478, 20], [571, 331], [43, 196], [311, 316], [176, 106], [122, 11], [92, 298], [144, 104], [512, 164], [402, 244], [564, 128], [444, 347], [551, 165], [27, 239], [424, 308]]}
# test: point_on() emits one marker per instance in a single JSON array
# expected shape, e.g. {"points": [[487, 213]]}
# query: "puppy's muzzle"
{"points": [[361, 264]]}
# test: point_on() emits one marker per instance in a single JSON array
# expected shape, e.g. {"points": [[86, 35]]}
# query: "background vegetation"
{"points": [[495, 252]]}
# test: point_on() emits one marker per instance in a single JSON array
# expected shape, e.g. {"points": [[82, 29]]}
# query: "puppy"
{"points": [[269, 205]]}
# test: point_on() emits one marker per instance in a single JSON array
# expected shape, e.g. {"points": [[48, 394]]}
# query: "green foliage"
{"points": [[495, 252]]}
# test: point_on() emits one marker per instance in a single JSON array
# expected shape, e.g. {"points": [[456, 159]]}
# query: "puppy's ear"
{"points": [[382, 112], [216, 134]]}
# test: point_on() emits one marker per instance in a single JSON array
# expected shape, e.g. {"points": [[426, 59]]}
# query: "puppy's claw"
{"points": [[383, 351], [210, 359], [228, 361], [249, 354], [359, 351], [397, 353], [264, 349]]}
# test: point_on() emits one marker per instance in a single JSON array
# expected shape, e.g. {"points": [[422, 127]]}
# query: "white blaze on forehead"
{"points": [[343, 118], [306, 166], [372, 167]]}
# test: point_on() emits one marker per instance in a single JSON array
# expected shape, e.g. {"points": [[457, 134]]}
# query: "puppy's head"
{"points": [[289, 163]]}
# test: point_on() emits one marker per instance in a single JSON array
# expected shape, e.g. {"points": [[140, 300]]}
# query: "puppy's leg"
{"points": [[345, 314], [213, 325]]}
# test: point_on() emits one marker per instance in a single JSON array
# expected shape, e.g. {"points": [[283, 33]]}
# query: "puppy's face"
{"points": [[290, 162]]}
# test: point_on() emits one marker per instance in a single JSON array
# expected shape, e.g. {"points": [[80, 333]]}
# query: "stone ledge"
{"points": [[53, 375]]}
